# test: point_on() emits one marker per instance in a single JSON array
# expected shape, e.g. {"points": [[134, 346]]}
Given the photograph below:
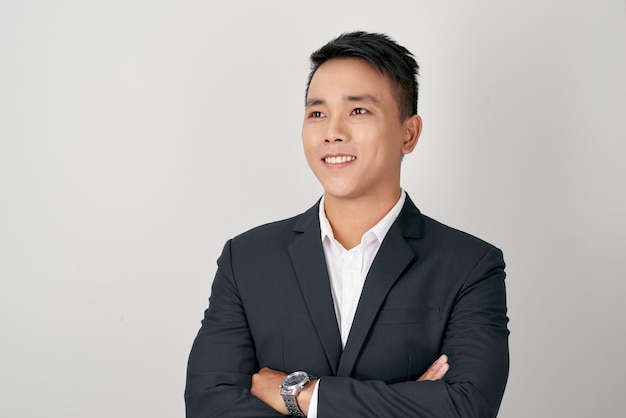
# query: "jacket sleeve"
{"points": [[476, 342], [222, 358]]}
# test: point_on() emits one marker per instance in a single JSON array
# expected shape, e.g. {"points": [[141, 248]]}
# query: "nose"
{"points": [[337, 131]]}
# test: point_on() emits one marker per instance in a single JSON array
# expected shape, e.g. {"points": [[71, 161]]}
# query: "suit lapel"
{"points": [[307, 256], [392, 259]]}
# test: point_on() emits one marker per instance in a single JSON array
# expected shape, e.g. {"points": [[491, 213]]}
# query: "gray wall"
{"points": [[136, 137]]}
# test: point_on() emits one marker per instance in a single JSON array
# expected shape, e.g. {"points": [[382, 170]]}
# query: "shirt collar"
{"points": [[379, 231]]}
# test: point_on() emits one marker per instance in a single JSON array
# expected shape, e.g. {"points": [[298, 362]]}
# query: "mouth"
{"points": [[338, 159]]}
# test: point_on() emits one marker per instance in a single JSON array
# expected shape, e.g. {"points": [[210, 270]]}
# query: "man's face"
{"points": [[352, 134]]}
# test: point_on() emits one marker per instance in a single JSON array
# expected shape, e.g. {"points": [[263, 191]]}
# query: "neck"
{"points": [[351, 218]]}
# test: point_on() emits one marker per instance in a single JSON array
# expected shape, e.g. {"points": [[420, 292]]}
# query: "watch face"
{"points": [[294, 379]]}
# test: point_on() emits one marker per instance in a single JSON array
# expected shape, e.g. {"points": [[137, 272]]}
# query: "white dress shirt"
{"points": [[347, 270]]}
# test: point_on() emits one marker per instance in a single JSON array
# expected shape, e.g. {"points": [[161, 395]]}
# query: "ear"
{"points": [[412, 130]]}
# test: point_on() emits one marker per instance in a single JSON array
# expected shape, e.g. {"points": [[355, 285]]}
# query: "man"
{"points": [[361, 306]]}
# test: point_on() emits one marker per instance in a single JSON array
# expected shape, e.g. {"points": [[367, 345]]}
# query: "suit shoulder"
{"points": [[284, 228], [266, 234], [270, 228], [441, 235]]}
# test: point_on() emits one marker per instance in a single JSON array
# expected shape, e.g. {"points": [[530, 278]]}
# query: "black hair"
{"points": [[389, 58]]}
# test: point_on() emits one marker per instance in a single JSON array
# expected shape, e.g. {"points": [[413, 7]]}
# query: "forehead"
{"points": [[349, 76]]}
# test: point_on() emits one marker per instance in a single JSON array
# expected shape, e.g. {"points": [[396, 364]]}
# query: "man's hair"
{"points": [[390, 59]]}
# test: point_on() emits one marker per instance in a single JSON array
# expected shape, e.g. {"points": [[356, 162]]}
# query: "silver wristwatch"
{"points": [[293, 384]]}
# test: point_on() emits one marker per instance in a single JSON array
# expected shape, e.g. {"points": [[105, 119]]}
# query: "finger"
{"points": [[437, 370], [441, 372], [433, 373]]}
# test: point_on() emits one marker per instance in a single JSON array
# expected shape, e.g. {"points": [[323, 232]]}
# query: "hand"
{"points": [[266, 387], [437, 370]]}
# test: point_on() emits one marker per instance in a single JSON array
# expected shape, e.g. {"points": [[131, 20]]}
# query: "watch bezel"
{"points": [[294, 388]]}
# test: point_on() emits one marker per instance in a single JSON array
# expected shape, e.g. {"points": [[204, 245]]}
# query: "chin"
{"points": [[340, 193]]}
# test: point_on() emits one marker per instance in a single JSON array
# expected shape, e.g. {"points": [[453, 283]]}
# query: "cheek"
{"points": [[310, 152], [307, 135], [309, 138], [391, 140]]}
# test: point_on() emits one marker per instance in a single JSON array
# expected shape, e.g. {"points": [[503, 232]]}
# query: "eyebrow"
{"points": [[314, 102], [364, 98], [352, 98]]}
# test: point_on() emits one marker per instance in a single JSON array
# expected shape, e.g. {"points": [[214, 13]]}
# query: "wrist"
{"points": [[290, 389], [304, 397]]}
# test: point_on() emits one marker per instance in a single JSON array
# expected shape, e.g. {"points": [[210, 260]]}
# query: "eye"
{"points": [[359, 111], [316, 114]]}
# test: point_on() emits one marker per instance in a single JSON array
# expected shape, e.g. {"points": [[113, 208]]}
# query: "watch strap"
{"points": [[290, 390], [292, 406]]}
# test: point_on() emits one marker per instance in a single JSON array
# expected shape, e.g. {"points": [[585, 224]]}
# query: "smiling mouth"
{"points": [[339, 160]]}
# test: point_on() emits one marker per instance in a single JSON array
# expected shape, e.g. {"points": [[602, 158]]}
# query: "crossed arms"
{"points": [[265, 382], [233, 367]]}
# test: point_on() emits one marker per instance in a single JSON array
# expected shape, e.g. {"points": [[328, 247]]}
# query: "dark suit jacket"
{"points": [[430, 290]]}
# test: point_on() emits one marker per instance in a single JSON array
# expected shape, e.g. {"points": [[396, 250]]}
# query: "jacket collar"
{"points": [[307, 256], [410, 220]]}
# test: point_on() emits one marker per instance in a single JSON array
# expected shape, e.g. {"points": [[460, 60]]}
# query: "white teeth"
{"points": [[339, 160]]}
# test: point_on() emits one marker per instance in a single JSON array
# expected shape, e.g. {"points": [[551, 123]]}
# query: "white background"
{"points": [[137, 136]]}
